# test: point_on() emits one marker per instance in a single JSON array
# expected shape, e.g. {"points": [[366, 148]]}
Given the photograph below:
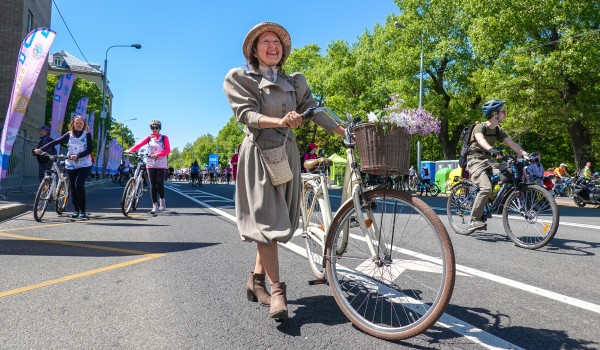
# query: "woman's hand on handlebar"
{"points": [[292, 120]]}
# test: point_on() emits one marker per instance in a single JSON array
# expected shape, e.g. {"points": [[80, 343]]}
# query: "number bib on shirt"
{"points": [[154, 147], [77, 145]]}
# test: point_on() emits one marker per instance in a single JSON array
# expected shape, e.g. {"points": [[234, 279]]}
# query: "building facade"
{"points": [[62, 62], [17, 19]]}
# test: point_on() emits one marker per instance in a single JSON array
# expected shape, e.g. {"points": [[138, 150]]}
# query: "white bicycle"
{"points": [[386, 255]]}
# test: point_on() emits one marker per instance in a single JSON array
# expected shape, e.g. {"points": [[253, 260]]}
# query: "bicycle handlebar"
{"points": [[309, 114], [52, 156], [135, 155]]}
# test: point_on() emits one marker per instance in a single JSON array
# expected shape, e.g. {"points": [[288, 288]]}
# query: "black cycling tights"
{"points": [[77, 181], [157, 183]]}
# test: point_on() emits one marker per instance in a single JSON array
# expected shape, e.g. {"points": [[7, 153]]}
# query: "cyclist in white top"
{"points": [[79, 161]]}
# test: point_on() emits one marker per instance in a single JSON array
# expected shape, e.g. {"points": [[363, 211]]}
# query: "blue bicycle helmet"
{"points": [[492, 106]]}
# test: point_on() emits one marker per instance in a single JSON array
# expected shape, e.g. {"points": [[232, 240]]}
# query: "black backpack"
{"points": [[466, 143]]}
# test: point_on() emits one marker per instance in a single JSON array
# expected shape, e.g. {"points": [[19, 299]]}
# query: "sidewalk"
{"points": [[21, 202]]}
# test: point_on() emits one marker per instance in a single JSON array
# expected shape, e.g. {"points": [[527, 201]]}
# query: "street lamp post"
{"points": [[123, 130], [103, 113], [402, 26]]}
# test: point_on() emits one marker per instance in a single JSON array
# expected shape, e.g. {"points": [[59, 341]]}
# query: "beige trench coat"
{"points": [[265, 212]]}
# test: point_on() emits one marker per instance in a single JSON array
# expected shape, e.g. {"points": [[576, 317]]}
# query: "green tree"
{"points": [[123, 134], [545, 59], [229, 137]]}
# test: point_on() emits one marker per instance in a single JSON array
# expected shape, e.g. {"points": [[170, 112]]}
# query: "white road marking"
{"points": [[460, 268]]}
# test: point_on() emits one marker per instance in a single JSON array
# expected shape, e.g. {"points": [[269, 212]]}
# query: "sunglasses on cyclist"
{"points": [[153, 127]]}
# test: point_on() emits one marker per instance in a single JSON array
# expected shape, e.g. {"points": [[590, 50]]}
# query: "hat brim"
{"points": [[263, 27]]}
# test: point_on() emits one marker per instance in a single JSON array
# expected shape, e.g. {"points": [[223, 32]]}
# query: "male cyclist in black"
{"points": [[195, 172], [481, 146]]}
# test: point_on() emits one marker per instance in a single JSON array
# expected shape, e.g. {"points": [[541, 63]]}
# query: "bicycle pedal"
{"points": [[316, 282]]}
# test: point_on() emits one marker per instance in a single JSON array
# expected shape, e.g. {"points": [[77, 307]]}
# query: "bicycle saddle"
{"points": [[313, 163]]}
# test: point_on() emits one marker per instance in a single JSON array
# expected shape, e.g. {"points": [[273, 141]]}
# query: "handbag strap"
{"points": [[284, 141]]}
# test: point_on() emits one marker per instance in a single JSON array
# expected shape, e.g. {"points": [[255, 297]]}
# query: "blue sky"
{"points": [[187, 48]]}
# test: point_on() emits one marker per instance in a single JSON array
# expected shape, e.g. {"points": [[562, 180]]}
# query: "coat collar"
{"points": [[282, 81]]}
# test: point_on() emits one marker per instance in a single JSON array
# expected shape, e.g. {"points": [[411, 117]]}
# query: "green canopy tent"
{"points": [[336, 173]]}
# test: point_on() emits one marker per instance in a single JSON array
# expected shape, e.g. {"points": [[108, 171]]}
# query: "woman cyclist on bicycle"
{"points": [[78, 162], [158, 150]]}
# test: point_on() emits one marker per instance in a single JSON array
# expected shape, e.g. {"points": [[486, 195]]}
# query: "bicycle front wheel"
{"points": [[458, 207], [568, 191], [62, 196], [42, 197], [530, 217], [400, 285], [128, 197], [123, 179], [312, 219]]}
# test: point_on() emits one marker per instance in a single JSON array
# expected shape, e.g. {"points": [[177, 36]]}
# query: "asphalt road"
{"points": [[176, 281]]}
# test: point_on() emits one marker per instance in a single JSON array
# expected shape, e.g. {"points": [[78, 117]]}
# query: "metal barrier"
{"points": [[22, 174]]}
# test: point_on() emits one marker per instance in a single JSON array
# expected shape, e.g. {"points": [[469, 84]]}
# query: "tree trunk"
{"points": [[581, 142]]}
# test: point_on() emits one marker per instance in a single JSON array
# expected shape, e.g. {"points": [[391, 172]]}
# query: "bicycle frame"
{"points": [[351, 191], [56, 173]]}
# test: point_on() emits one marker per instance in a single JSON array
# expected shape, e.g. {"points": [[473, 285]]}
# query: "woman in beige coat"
{"points": [[269, 103]]}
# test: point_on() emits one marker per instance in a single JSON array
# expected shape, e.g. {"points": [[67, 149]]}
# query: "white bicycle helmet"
{"points": [[156, 122]]}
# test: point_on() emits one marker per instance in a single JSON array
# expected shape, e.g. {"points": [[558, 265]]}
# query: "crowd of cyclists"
{"points": [[208, 174]]}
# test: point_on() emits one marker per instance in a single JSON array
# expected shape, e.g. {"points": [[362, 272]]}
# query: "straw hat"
{"points": [[260, 28]]}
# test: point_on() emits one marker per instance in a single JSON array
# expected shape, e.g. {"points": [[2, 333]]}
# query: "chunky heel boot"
{"points": [[278, 310], [256, 289]]}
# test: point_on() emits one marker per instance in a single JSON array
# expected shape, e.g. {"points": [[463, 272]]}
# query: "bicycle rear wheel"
{"points": [[407, 287], [458, 207], [435, 190], [42, 197], [128, 199], [312, 219], [530, 217], [62, 196]]}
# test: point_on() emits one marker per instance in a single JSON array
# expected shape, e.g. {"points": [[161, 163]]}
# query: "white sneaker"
{"points": [[162, 206], [477, 225], [155, 209]]}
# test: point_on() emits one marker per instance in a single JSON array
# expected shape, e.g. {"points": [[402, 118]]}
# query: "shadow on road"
{"points": [[94, 249], [499, 325]]}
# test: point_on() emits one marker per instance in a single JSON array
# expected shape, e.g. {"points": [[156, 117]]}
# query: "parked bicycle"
{"points": [[135, 187], [387, 256], [529, 212], [434, 188], [54, 187]]}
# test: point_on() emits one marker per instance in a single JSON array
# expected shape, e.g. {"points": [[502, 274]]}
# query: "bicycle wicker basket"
{"points": [[383, 151]]}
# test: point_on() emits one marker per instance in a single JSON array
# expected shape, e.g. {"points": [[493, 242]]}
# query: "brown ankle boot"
{"points": [[256, 289], [278, 310]]}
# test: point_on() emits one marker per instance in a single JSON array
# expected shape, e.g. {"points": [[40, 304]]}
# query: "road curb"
{"points": [[10, 210]]}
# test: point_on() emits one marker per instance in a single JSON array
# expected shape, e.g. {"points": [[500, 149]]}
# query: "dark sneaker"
{"points": [[83, 215], [477, 225], [75, 215]]}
